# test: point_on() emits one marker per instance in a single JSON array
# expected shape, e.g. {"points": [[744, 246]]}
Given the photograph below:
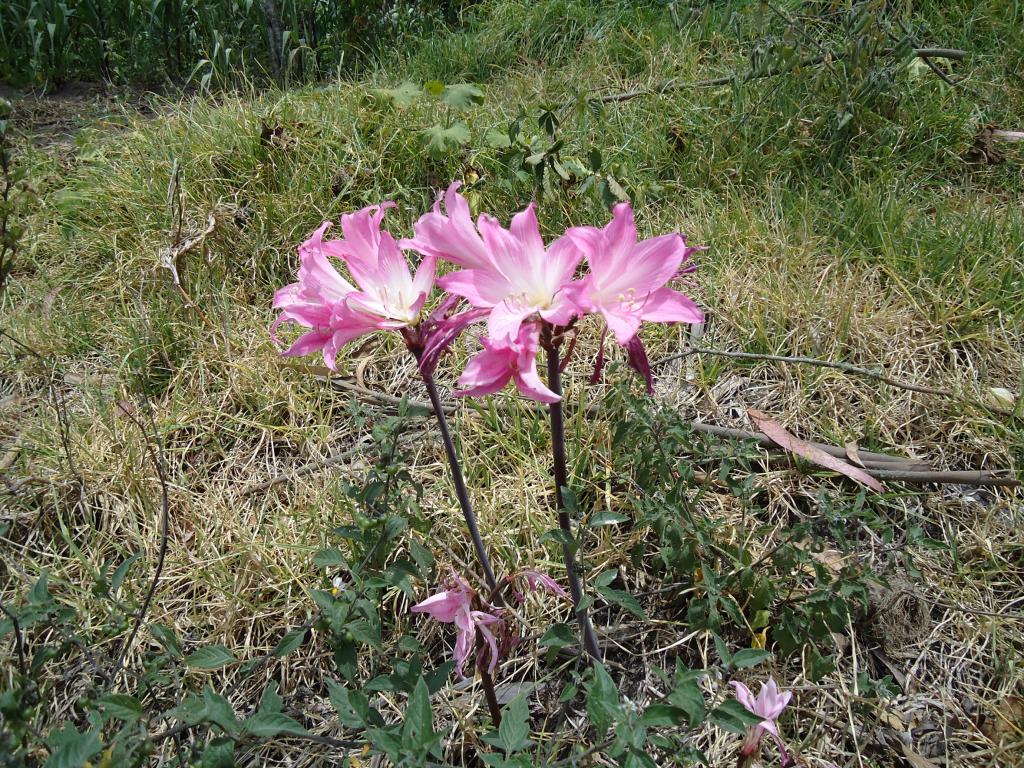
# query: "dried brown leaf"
{"points": [[790, 442], [914, 760]]}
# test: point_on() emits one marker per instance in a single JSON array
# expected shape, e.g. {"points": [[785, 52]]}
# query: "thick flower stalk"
{"points": [[383, 295], [768, 704]]}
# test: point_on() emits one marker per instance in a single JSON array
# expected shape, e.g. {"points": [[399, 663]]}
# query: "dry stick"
{"points": [[156, 455], [672, 84], [995, 478], [870, 459], [306, 469], [878, 465], [844, 367], [589, 639]]}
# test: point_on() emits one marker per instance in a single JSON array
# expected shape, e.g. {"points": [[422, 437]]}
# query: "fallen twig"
{"points": [[1000, 477], [1000, 135], [155, 450], [323, 373], [856, 370], [869, 458], [313, 467], [674, 84], [307, 469], [879, 465]]}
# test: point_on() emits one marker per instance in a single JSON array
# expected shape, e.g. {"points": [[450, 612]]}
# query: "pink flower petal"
{"points": [[745, 696], [667, 306], [481, 288], [487, 372], [451, 237]]}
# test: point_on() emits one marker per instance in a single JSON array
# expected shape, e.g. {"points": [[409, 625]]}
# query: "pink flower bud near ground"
{"points": [[768, 704], [455, 606]]}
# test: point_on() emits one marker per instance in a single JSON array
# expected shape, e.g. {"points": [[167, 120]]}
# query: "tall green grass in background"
{"points": [[47, 42]]}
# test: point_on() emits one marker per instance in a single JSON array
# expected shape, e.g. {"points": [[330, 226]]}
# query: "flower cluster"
{"points": [[529, 293], [509, 276]]}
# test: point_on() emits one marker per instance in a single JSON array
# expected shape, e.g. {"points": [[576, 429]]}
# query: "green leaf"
{"points": [[660, 715], [422, 556], [638, 759], [219, 753], [121, 706], [71, 749], [439, 676], [350, 707], [689, 698], [290, 641], [616, 189], [605, 578], [599, 519], [418, 725], [402, 96], [495, 138], [211, 707], [462, 96], [218, 710], [324, 599], [733, 716], [211, 657], [750, 657], [122, 571], [386, 740], [562, 537], [366, 633], [329, 558], [440, 140], [267, 725], [346, 659], [434, 87], [514, 731], [40, 594], [271, 701], [167, 638], [558, 636], [602, 700], [624, 599]]}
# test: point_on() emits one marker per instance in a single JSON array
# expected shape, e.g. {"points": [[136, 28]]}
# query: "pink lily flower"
{"points": [[535, 581], [452, 237], [455, 606], [507, 271], [627, 280], [768, 704], [503, 361], [385, 296]]}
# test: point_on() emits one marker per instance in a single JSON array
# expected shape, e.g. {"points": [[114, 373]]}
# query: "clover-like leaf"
{"points": [[440, 140], [462, 96]]}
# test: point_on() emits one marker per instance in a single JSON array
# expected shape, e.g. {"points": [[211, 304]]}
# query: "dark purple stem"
{"points": [[562, 481], [487, 682], [460, 483]]}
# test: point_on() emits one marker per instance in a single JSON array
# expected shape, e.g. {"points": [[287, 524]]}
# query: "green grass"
{"points": [[881, 246]]}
